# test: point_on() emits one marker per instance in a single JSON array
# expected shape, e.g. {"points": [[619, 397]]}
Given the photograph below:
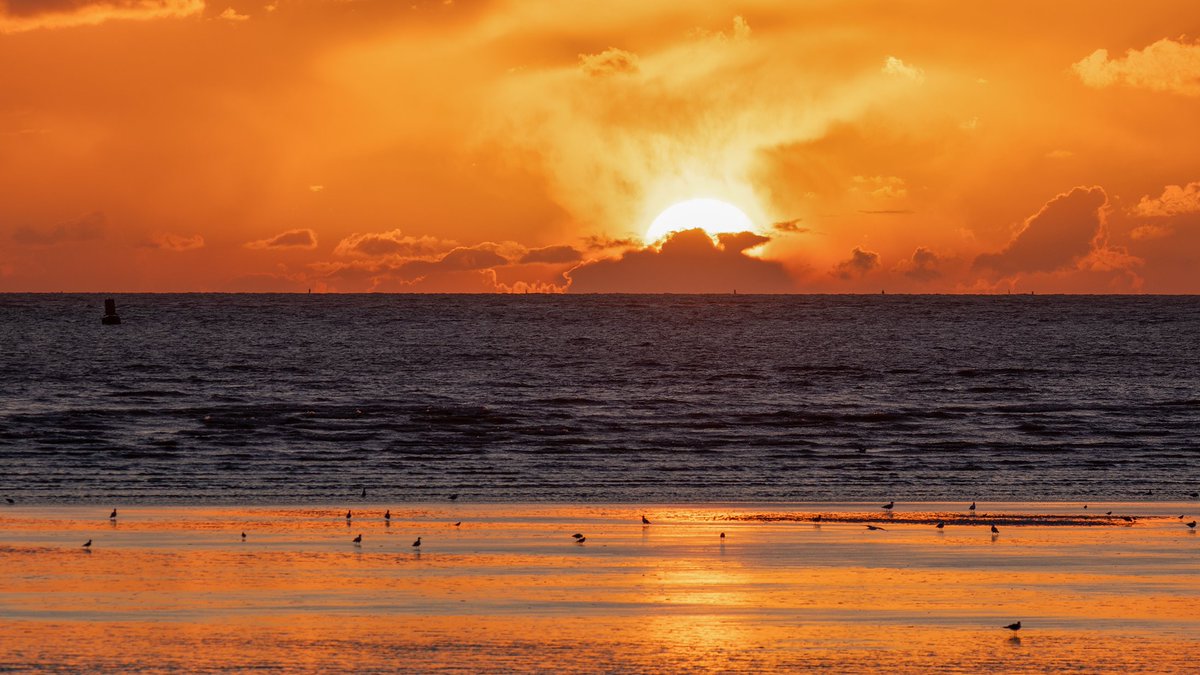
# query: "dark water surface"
{"points": [[293, 398]]}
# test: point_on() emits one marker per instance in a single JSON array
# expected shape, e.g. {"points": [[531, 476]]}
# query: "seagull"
{"points": [[889, 506], [874, 527], [971, 507], [817, 518], [994, 530], [1014, 626], [644, 521], [580, 540], [347, 514], [113, 515], [243, 536], [88, 544], [458, 523], [417, 543], [1191, 525], [454, 496], [1108, 513], [577, 535], [1127, 519], [387, 515], [358, 539], [722, 535], [941, 524]]}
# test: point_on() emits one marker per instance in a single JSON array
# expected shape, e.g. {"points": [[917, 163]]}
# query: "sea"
{"points": [[294, 399]]}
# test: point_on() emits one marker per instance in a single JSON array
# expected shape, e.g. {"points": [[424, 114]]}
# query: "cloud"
{"points": [[167, 241], [896, 68], [1058, 236], [859, 263], [740, 241], [1166, 65], [1150, 231], [302, 238], [888, 187], [459, 260], [1174, 201], [24, 15], [611, 61], [598, 243], [792, 226], [231, 14], [923, 266], [88, 228], [687, 262], [552, 254], [391, 243]]}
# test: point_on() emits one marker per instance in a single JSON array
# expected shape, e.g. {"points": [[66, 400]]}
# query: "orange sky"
{"points": [[497, 145]]}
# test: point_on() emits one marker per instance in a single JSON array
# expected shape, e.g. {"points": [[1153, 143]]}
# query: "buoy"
{"points": [[110, 313]]}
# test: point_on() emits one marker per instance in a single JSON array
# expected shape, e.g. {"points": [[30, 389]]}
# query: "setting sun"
{"points": [[711, 215]]}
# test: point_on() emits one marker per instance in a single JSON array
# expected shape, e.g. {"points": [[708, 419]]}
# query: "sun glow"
{"points": [[711, 215]]}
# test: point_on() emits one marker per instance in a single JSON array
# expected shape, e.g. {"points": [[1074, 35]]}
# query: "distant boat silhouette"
{"points": [[110, 317]]}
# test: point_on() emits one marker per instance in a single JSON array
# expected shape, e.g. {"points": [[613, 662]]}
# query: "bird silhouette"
{"points": [[364, 493], [971, 507], [387, 515], [889, 506], [645, 521], [580, 540], [817, 518], [9, 500], [454, 496], [243, 536], [458, 523], [88, 544], [994, 530], [417, 543], [1014, 626], [358, 539], [1127, 519], [1191, 525], [577, 535], [875, 527], [348, 514], [113, 515], [941, 524], [722, 535], [1108, 513]]}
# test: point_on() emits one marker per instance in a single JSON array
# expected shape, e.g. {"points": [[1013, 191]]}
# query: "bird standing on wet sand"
{"points": [[358, 539], [817, 518], [875, 527], [644, 521], [387, 515], [722, 535], [577, 535], [88, 544], [889, 506], [113, 515], [1014, 626], [458, 523], [580, 540], [243, 536], [971, 507], [994, 530], [348, 514], [1191, 525], [941, 525], [417, 543]]}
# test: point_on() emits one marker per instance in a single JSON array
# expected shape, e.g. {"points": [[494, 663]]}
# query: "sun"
{"points": [[711, 215]]}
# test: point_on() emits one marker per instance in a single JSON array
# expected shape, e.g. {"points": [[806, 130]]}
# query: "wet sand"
{"points": [[167, 588]]}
